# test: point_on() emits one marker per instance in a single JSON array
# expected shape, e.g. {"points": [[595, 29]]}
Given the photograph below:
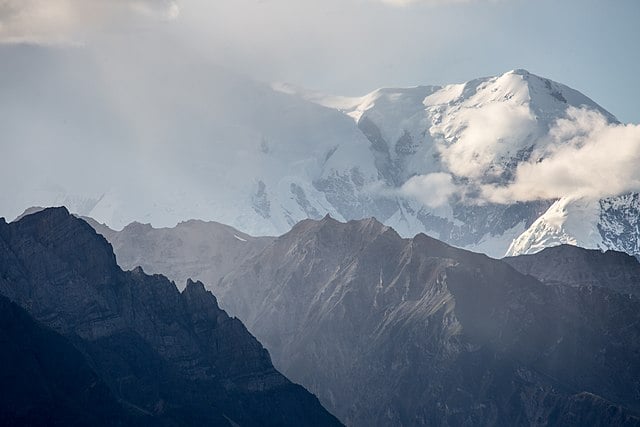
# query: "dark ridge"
{"points": [[576, 266], [28, 211], [175, 356], [395, 332], [45, 380]]}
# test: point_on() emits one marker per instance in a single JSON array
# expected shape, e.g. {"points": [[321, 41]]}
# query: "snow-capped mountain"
{"points": [[119, 146], [479, 132], [609, 223]]}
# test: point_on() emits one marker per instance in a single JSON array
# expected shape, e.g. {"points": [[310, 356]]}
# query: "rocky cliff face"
{"points": [[392, 331], [45, 380], [176, 357]]}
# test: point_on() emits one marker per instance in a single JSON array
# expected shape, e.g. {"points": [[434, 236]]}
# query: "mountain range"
{"points": [[262, 157], [387, 330], [86, 343], [393, 331]]}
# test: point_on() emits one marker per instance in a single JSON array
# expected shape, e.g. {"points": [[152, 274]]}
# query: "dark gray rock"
{"points": [[45, 380], [176, 356], [391, 331], [576, 266]]}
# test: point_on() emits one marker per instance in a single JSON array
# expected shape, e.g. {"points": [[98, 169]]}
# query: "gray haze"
{"points": [[353, 46]]}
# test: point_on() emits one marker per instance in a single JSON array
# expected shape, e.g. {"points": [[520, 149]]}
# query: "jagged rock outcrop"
{"points": [[176, 357], [391, 331]]}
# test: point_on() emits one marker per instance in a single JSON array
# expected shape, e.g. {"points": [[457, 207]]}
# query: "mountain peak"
{"points": [[578, 266], [54, 213], [519, 71], [60, 234], [28, 211], [372, 225], [138, 271], [138, 226], [195, 290], [196, 286]]}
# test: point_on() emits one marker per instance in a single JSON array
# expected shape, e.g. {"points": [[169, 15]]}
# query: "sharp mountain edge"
{"points": [[261, 158]]}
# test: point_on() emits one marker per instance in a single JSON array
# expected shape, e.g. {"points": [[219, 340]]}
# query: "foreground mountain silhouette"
{"points": [[150, 353]]}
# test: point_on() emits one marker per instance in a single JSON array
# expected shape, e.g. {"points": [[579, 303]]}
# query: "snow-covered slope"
{"points": [[610, 223], [567, 221], [121, 147], [196, 141], [478, 132]]}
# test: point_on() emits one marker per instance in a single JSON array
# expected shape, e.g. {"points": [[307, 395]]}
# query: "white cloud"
{"points": [[68, 21], [426, 2], [582, 156], [432, 190], [487, 137], [586, 157]]}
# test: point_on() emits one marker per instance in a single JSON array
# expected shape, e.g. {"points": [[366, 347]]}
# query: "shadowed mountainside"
{"points": [[392, 331], [576, 266], [175, 357]]}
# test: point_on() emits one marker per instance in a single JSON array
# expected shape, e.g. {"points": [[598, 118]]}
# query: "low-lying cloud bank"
{"points": [[583, 155]]}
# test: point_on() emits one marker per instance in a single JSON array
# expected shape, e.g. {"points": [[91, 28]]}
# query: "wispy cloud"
{"points": [[432, 190], [68, 21], [583, 155], [427, 2], [586, 157], [488, 137]]}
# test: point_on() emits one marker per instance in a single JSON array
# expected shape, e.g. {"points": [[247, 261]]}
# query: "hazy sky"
{"points": [[353, 46]]}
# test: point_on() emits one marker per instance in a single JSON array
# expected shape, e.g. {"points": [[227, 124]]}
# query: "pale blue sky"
{"points": [[351, 47], [590, 45]]}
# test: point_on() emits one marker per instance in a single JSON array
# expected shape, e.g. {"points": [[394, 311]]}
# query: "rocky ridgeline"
{"points": [[396, 332]]}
